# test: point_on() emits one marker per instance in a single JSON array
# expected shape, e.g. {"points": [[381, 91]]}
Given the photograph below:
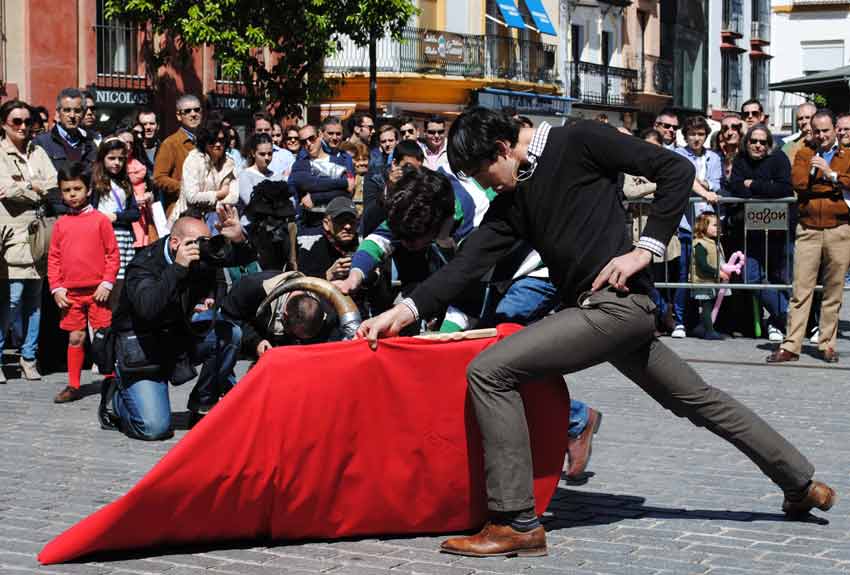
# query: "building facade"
{"points": [[815, 38]]}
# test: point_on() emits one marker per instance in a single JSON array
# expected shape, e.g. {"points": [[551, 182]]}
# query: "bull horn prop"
{"points": [[346, 309]]}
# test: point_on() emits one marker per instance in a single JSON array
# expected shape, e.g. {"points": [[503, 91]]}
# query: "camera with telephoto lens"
{"points": [[215, 251]]}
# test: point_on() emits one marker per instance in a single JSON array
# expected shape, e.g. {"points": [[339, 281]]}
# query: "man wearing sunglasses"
{"points": [[820, 176], [667, 122], [435, 144], [67, 142], [753, 113], [316, 179], [408, 130], [168, 168]]}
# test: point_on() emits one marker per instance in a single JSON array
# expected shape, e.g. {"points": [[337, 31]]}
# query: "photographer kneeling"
{"points": [[167, 322]]}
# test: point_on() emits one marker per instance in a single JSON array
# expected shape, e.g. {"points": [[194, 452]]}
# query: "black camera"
{"points": [[215, 251]]}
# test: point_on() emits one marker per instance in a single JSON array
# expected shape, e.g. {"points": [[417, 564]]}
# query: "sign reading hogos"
{"points": [[766, 216]]}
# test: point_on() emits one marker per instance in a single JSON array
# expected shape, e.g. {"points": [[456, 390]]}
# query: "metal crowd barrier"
{"points": [[760, 216]]}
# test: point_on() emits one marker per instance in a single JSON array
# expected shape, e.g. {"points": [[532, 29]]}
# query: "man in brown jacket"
{"points": [[821, 178], [168, 168]]}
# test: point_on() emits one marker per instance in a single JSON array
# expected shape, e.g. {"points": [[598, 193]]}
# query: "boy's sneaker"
{"points": [[679, 332], [815, 337], [67, 395], [29, 369], [774, 334]]}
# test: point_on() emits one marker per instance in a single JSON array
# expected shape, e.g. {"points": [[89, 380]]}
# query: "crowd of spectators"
{"points": [[373, 207]]}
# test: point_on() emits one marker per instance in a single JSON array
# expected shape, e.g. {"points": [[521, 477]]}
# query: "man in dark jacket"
{"points": [[558, 190], [329, 257], [67, 142], [166, 322]]}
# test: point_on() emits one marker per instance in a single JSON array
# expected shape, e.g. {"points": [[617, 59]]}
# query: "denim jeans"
{"points": [[526, 301], [22, 296], [680, 300], [144, 407], [775, 301]]}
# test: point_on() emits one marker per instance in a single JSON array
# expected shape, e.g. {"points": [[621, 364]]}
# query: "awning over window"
{"points": [[511, 14], [541, 18]]}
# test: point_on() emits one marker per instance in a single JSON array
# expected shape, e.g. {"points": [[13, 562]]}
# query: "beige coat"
{"points": [[24, 181], [634, 188], [201, 181]]}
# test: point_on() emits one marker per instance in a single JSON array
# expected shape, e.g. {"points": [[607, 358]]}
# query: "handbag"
{"points": [[103, 349], [135, 356], [39, 230]]}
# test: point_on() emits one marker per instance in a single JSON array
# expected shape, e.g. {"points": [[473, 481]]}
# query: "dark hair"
{"points": [[328, 121], [473, 135], [10, 106], [408, 149], [651, 132], [145, 111], [525, 121], [419, 203], [101, 179], [88, 95], [68, 93], [745, 142], [406, 120], [260, 116], [207, 133], [304, 310], [750, 102], [435, 119], [357, 118], [696, 123], [251, 145], [824, 113], [71, 172], [669, 112]]}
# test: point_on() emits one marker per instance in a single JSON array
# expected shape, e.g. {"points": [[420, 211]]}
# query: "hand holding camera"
{"points": [[187, 252]]}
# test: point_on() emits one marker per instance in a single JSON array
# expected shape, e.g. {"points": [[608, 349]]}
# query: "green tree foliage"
{"points": [[298, 34]]}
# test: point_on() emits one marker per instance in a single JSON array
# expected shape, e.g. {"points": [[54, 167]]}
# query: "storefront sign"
{"points": [[766, 216], [525, 102], [232, 103], [115, 97], [442, 46]]}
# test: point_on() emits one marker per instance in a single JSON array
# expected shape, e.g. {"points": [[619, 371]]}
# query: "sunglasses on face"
{"points": [[436, 132], [185, 111], [727, 127], [308, 140], [408, 131], [90, 108], [751, 114], [755, 141], [667, 126], [18, 122], [291, 139]]}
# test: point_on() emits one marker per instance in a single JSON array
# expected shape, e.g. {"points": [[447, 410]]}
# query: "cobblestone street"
{"points": [[664, 497]]}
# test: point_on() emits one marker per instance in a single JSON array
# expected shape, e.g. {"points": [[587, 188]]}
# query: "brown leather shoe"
{"points": [[580, 448], [830, 355], [68, 394], [782, 355], [818, 496], [498, 541]]}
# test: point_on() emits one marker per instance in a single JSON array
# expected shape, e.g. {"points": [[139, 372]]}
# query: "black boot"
{"points": [[707, 323]]}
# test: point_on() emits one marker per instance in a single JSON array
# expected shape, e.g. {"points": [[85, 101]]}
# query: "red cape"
{"points": [[328, 441]]}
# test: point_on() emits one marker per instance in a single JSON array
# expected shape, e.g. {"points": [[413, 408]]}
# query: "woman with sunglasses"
{"points": [[209, 174], [291, 141], [728, 145], [759, 174], [26, 177]]}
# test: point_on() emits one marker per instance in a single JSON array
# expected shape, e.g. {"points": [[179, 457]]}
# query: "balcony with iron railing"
{"points": [[602, 85], [118, 64], [655, 75], [442, 53]]}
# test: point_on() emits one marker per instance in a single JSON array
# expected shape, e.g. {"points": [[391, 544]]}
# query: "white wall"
{"points": [[788, 32]]}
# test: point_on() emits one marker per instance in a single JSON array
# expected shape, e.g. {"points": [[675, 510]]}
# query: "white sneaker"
{"points": [[774, 334], [815, 337], [679, 332]]}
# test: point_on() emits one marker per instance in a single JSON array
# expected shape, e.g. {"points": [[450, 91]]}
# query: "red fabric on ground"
{"points": [[328, 441]]}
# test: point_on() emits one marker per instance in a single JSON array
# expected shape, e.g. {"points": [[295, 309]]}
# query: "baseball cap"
{"points": [[339, 206]]}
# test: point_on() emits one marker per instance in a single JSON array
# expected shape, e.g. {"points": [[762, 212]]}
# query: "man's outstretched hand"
{"points": [[388, 324], [621, 268]]}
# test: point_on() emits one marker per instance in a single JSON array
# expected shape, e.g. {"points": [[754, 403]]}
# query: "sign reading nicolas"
{"points": [[442, 46], [118, 97]]}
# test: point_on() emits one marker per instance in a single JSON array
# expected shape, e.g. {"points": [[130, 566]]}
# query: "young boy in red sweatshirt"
{"points": [[81, 267]]}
